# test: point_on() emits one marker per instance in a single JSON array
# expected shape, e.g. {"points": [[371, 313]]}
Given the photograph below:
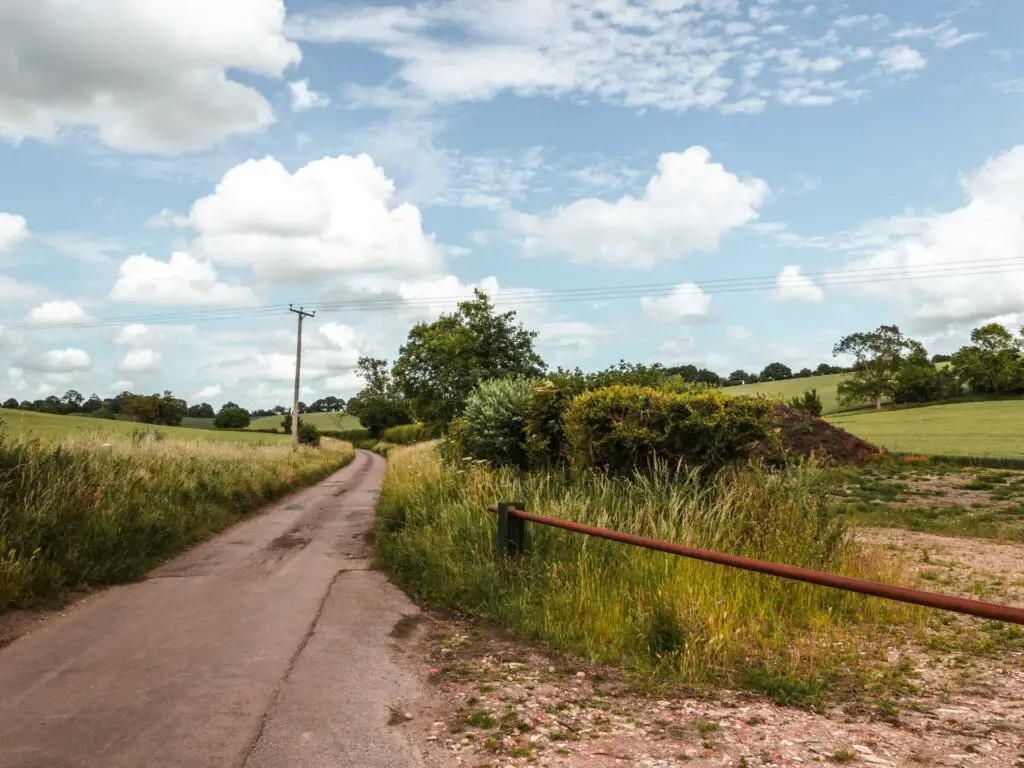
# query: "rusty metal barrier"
{"points": [[512, 542]]}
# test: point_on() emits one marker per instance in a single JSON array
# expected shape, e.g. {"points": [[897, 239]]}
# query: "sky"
{"points": [[719, 182]]}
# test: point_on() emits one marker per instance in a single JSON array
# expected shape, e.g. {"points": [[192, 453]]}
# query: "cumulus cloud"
{"points": [[63, 361], [304, 99], [902, 58], [12, 290], [58, 312], [181, 280], [139, 361], [793, 286], [978, 246], [333, 215], [13, 229], [666, 55], [211, 391], [687, 303], [686, 207], [147, 76], [133, 334]]}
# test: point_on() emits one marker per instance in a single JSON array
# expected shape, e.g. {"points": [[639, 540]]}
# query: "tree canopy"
{"points": [[442, 362], [878, 356]]}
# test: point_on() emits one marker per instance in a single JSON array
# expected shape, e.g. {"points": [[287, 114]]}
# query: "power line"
{"points": [[860, 276]]}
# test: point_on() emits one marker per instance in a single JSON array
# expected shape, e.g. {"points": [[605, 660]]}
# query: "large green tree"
{"points": [[992, 363], [878, 356], [442, 362], [380, 404], [154, 409], [232, 416]]}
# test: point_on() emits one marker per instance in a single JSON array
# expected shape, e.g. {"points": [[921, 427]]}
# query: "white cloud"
{"points": [[122, 385], [902, 58], [64, 361], [332, 216], [16, 377], [13, 229], [793, 286], [167, 219], [687, 303], [182, 280], [133, 334], [304, 99], [208, 392], [687, 206], [58, 312], [978, 247], [944, 35], [737, 334], [13, 291], [139, 361], [667, 55], [147, 76]]}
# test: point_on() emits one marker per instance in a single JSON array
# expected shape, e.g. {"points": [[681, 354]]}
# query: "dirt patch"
{"points": [[948, 490], [290, 540], [809, 436], [406, 625], [395, 716]]}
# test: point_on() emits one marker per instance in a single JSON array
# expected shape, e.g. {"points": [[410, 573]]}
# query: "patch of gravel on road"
{"points": [[507, 703]]}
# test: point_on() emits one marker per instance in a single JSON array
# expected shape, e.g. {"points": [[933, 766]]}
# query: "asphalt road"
{"points": [[269, 646]]}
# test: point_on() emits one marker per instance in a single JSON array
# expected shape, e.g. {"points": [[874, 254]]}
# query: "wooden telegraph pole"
{"points": [[298, 365]]}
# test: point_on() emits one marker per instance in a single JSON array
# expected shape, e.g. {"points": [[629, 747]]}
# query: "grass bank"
{"points": [[655, 613], [85, 512]]}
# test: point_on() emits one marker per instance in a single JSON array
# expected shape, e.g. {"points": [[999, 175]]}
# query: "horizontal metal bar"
{"points": [[964, 605]]}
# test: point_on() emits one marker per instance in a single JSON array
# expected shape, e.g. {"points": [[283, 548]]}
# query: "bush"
{"points": [[232, 417], [808, 404], [622, 429], [309, 434], [407, 434], [495, 421]]}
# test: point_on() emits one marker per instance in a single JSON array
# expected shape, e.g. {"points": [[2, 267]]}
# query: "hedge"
{"points": [[353, 436], [407, 434], [621, 429]]}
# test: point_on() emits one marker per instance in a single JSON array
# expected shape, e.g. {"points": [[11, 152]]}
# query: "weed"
{"points": [[842, 755], [478, 720]]}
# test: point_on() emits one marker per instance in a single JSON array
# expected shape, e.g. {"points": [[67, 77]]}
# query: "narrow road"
{"points": [[268, 646]]}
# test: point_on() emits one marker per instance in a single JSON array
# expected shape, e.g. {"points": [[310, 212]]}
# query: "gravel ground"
{"points": [[503, 703]]}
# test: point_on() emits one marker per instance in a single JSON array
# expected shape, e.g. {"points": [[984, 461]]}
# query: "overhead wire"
{"points": [[518, 297]]}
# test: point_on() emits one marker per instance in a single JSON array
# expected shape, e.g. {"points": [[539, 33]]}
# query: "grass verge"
{"points": [[85, 512], [658, 614]]}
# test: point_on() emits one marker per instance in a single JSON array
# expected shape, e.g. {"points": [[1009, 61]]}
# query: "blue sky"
{"points": [[170, 175]]}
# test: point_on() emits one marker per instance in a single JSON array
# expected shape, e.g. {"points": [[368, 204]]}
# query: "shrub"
{"points": [[232, 417], [309, 434], [808, 404], [495, 421], [544, 422], [407, 434], [622, 429]]}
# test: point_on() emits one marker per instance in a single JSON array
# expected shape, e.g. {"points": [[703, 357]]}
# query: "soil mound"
{"points": [[810, 436]]}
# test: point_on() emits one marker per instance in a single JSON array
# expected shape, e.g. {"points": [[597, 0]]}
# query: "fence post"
{"points": [[511, 540]]}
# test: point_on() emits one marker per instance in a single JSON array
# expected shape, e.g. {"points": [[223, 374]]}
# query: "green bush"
{"points": [[809, 403], [407, 434], [544, 423], [309, 434], [353, 436], [622, 429], [495, 422]]}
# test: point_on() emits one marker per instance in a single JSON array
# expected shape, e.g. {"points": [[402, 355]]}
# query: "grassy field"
{"points": [[49, 427], [94, 509], [675, 618], [328, 421], [989, 429], [826, 386]]}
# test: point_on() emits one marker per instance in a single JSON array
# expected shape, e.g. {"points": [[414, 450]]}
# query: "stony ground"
{"points": [[505, 703]]}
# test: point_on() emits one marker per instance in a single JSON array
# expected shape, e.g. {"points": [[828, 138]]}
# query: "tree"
{"points": [[992, 363], [920, 381], [942, 358], [804, 373], [11, 403], [154, 409], [878, 356], [776, 372], [380, 404], [328, 404], [232, 416], [72, 401], [201, 411], [442, 362], [93, 404], [740, 377]]}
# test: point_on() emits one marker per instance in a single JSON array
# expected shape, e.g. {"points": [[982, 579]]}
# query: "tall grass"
{"points": [[87, 512], [609, 602]]}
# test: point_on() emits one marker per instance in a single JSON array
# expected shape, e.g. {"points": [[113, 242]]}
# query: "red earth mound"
{"points": [[810, 436]]}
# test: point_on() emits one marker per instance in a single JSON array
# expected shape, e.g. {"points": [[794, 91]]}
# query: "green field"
{"points": [[322, 421], [826, 386], [50, 428], [989, 429]]}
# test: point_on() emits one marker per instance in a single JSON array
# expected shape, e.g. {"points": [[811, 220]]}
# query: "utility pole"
{"points": [[298, 365]]}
